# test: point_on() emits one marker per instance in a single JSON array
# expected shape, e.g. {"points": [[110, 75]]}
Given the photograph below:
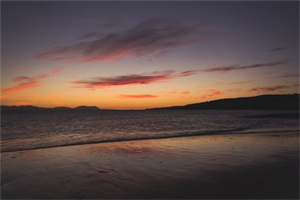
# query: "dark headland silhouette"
{"points": [[263, 102]]}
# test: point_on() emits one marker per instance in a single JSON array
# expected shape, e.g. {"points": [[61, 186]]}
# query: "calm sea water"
{"points": [[20, 131]]}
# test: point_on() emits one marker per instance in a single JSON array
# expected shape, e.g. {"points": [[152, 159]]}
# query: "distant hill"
{"points": [[34, 108], [86, 108], [263, 102], [62, 108]]}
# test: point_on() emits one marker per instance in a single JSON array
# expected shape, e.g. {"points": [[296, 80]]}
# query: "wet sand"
{"points": [[255, 166]]}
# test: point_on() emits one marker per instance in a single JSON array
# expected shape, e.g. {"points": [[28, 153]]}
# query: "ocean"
{"points": [[33, 130]]}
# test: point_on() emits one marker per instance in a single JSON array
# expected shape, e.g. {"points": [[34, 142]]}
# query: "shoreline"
{"points": [[207, 133], [210, 166]]}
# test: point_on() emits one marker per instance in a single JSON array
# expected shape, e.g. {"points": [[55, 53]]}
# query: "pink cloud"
{"points": [[214, 92], [185, 95], [161, 76], [27, 83], [138, 96], [185, 92], [173, 93], [58, 70], [170, 93], [234, 90], [150, 36], [210, 93], [133, 79], [3, 96]]}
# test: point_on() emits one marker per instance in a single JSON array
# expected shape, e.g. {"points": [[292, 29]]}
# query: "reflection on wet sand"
{"points": [[220, 166]]}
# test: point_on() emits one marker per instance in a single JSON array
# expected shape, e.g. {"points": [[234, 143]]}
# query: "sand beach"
{"points": [[255, 166]]}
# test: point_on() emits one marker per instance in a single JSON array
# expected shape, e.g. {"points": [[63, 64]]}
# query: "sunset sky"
{"points": [[136, 55]]}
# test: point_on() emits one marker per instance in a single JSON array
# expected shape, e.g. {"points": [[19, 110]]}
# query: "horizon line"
{"points": [[149, 107]]}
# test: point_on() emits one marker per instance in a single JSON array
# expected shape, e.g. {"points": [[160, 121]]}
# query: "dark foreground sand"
{"points": [[252, 166]]}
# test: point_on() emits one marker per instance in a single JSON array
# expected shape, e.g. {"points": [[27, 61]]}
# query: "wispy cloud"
{"points": [[233, 68], [289, 75], [185, 92], [133, 79], [26, 83], [237, 67], [295, 85], [152, 35], [185, 95], [280, 48], [161, 76], [189, 73], [213, 92], [241, 82], [137, 96], [210, 93], [235, 83], [234, 90], [268, 89]]}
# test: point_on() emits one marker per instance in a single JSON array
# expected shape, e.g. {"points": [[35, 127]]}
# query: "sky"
{"points": [[137, 55]]}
